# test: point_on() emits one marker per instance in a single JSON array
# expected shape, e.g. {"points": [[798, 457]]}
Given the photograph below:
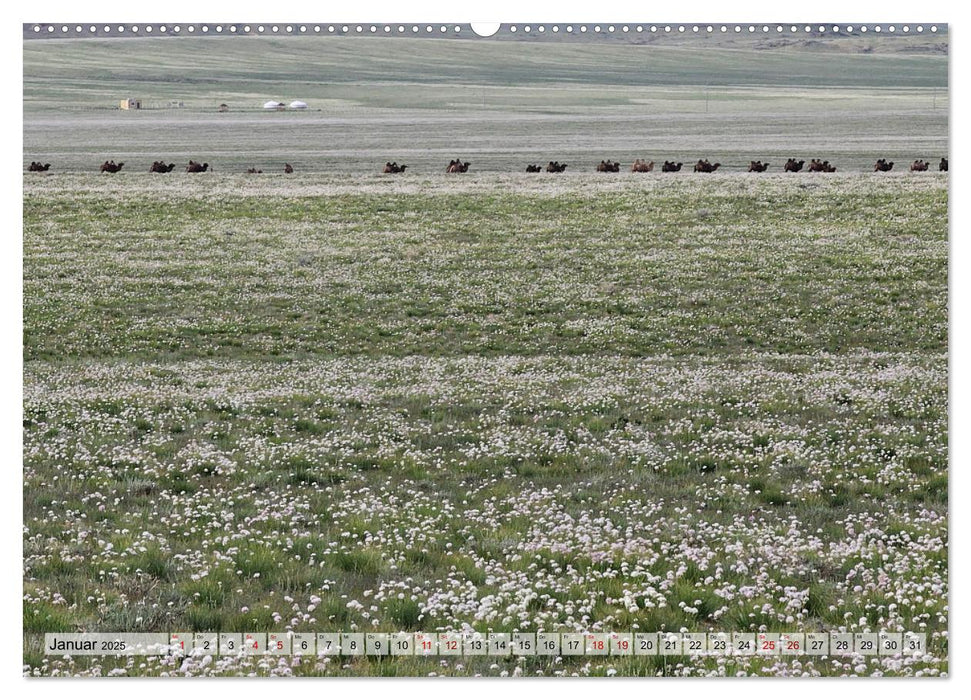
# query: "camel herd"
{"points": [[918, 166], [605, 166], [554, 166]]}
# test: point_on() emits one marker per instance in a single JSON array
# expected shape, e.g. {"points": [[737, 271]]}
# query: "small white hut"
{"points": [[273, 104], [297, 104]]}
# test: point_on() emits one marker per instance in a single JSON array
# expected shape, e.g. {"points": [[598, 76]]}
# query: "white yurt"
{"points": [[272, 104], [297, 104]]}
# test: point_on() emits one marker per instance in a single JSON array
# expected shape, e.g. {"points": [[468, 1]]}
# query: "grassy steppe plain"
{"points": [[502, 402]]}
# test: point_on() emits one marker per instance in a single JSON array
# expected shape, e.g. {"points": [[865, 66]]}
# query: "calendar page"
{"points": [[525, 349]]}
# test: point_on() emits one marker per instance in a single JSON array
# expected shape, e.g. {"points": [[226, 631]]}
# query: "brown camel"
{"points": [[287, 168], [194, 167], [457, 166], [943, 166], [919, 166], [882, 166], [534, 168], [757, 166], [821, 166], [38, 167], [670, 166], [555, 166], [793, 165], [642, 166], [160, 166], [703, 166], [394, 168], [608, 166], [254, 171], [109, 166]]}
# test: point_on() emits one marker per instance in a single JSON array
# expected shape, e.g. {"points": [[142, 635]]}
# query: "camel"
{"points": [[38, 167], [457, 166], [394, 168], [159, 166], [254, 171], [194, 167], [608, 167], [670, 166], [224, 107], [703, 166], [757, 166], [882, 166], [111, 166], [287, 168], [642, 166], [821, 166], [919, 166], [943, 166], [793, 165], [534, 168], [555, 166]]}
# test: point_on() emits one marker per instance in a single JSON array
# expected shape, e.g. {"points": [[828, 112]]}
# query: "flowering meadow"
{"points": [[493, 402]]}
